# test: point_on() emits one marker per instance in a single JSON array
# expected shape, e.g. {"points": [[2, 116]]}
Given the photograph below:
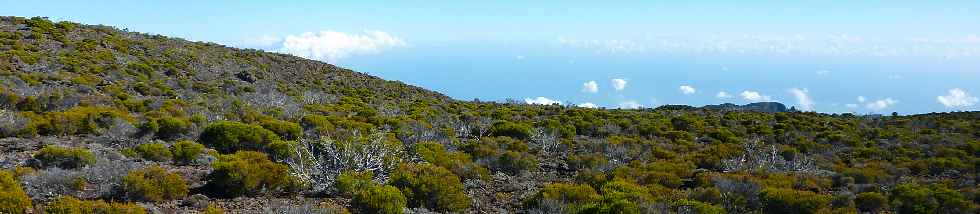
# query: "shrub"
{"points": [[511, 129], [430, 186], [458, 162], [698, 207], [172, 127], [68, 205], [513, 163], [154, 152], [564, 193], [285, 129], [63, 157], [13, 199], [777, 200], [914, 198], [213, 209], [154, 184], [185, 152], [248, 173], [379, 199], [229, 137], [870, 201], [350, 183]]}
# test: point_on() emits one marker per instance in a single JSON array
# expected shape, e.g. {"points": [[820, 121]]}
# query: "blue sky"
{"points": [[827, 56]]}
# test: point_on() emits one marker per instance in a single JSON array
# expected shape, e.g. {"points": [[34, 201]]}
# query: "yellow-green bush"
{"points": [[350, 183], [870, 201], [185, 152], [430, 186], [71, 205], [573, 195], [379, 199], [13, 199], [172, 127], [154, 152], [778, 200], [285, 129], [249, 173], [458, 162], [64, 157], [229, 137], [77, 120], [213, 209], [153, 184]]}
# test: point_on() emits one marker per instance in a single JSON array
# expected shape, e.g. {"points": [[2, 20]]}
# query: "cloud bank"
{"points": [[755, 96], [590, 87], [802, 98], [619, 84], [541, 101], [957, 98], [331, 46], [686, 89], [879, 105]]}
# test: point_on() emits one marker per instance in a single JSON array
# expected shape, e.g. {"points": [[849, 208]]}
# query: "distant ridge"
{"points": [[769, 107]]}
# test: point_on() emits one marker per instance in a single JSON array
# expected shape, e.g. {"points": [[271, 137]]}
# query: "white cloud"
{"points": [[723, 95], [802, 98], [823, 72], [686, 89], [851, 105], [331, 46], [619, 84], [541, 101], [588, 105], [755, 96], [630, 105], [861, 99], [590, 87], [957, 98], [878, 105]]}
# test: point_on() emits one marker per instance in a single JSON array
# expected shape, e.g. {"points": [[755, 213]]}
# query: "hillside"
{"points": [[96, 118]]}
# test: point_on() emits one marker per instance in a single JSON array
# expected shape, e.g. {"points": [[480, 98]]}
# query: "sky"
{"points": [[855, 56]]}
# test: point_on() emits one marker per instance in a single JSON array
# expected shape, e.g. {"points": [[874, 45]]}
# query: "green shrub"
{"points": [[870, 201], [914, 198], [513, 163], [285, 129], [71, 205], [77, 120], [379, 199], [185, 152], [13, 199], [153, 184], [458, 162], [154, 152], [350, 183], [574, 195], [229, 137], [213, 209], [247, 173], [172, 127], [778, 200], [63, 157], [511, 129], [698, 207], [430, 186]]}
